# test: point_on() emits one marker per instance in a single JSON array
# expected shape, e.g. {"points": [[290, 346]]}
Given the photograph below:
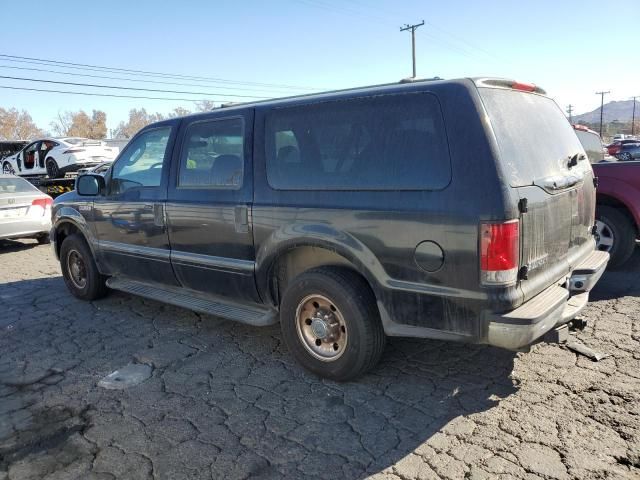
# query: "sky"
{"points": [[570, 48]]}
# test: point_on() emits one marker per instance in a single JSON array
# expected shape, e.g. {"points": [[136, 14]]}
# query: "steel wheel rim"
{"points": [[604, 236], [321, 328], [77, 269]]}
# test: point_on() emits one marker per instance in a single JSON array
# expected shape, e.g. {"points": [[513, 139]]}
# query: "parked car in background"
{"points": [[591, 142], [11, 147], [625, 150], [25, 212], [618, 209], [456, 210], [55, 157]]}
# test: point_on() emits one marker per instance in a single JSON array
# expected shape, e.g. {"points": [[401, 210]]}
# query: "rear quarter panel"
{"points": [[378, 231]]}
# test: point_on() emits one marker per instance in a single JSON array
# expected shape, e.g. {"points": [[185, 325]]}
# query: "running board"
{"points": [[251, 315]]}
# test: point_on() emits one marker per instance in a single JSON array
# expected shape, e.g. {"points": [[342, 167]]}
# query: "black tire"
{"points": [[44, 239], [94, 285], [351, 297], [52, 168], [623, 232]]}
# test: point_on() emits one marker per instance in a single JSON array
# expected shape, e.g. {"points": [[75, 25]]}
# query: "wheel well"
{"points": [[63, 231], [300, 259], [615, 203]]}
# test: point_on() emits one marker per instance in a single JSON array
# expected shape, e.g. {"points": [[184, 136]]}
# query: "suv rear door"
{"points": [[208, 207], [542, 159]]}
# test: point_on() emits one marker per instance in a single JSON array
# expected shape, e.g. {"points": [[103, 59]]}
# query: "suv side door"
{"points": [[209, 205], [129, 220]]}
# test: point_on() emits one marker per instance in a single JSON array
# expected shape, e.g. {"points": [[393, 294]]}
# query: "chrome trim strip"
{"points": [[198, 260], [151, 253]]}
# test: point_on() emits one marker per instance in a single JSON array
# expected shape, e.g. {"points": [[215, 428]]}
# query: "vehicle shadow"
{"points": [[8, 246], [624, 281], [241, 388]]}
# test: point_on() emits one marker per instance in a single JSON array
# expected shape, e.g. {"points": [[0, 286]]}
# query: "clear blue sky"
{"points": [[572, 48]]}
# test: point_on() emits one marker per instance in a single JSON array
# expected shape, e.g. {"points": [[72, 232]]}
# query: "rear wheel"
{"points": [[52, 168], [626, 157], [79, 269], [330, 323], [615, 233], [7, 169]]}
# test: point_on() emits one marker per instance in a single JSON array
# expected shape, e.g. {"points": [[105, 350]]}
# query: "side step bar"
{"points": [[249, 314]]}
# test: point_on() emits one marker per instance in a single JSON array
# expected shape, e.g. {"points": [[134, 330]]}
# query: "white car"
{"points": [[25, 212], [57, 156]]}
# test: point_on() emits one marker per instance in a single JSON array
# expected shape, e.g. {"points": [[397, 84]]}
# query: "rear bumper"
{"points": [[554, 306], [25, 228]]}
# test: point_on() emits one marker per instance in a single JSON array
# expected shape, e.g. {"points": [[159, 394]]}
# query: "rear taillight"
{"points": [[42, 202], [614, 149], [74, 150], [524, 87], [499, 252]]}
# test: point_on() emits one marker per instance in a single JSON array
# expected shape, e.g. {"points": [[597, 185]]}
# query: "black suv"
{"points": [[456, 210]]}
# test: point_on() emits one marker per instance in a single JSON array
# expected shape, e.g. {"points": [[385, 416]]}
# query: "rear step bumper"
{"points": [[554, 306]]}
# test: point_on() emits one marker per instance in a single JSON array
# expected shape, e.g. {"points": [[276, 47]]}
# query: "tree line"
{"points": [[18, 125]]}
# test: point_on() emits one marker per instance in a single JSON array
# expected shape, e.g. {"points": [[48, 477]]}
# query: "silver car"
{"points": [[25, 212]]}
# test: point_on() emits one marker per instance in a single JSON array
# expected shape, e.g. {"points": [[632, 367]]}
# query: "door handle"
{"points": [[242, 219]]}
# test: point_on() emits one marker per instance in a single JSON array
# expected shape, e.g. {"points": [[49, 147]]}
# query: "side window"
{"points": [[386, 142], [141, 163], [212, 155]]}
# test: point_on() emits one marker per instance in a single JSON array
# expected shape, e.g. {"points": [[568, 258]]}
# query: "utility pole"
{"points": [[602, 94], [633, 115], [570, 111], [413, 41]]}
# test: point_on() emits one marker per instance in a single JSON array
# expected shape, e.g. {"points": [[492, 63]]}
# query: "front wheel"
{"points": [[330, 323], [79, 269], [52, 168], [7, 169], [615, 233]]}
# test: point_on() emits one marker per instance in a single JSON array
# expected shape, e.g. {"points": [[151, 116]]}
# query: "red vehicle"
{"points": [[618, 209]]}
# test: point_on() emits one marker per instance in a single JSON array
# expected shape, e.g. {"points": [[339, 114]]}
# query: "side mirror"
{"points": [[90, 184]]}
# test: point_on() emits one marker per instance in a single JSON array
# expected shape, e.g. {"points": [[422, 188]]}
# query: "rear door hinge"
{"points": [[522, 205], [595, 182]]}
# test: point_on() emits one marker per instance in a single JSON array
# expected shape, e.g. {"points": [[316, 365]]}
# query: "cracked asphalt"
{"points": [[227, 401]]}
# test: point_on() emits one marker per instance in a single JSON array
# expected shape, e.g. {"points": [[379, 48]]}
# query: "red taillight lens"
{"points": [[614, 149], [74, 150], [499, 252], [42, 202], [525, 87]]}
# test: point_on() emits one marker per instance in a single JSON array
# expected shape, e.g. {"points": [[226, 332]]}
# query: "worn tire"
{"points": [[624, 234], [53, 171], [94, 286], [7, 169], [354, 299], [44, 239]]}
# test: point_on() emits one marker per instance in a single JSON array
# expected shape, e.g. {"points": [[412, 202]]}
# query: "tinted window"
{"points": [[212, 155], [391, 142], [535, 139], [141, 163]]}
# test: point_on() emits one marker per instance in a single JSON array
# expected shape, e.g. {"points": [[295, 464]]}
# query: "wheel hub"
{"points": [[321, 328]]}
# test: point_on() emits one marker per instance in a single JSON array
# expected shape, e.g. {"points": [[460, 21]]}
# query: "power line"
{"points": [[413, 28], [602, 94], [85, 66], [92, 94], [106, 77], [94, 85]]}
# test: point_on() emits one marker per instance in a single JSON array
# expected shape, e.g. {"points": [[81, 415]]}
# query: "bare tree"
{"points": [[137, 120], [17, 125], [205, 105], [79, 124], [178, 112]]}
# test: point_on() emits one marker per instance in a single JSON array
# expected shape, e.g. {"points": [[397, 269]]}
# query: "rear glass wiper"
{"points": [[574, 159]]}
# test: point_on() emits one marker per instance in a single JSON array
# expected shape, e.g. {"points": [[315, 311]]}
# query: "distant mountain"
{"points": [[620, 111]]}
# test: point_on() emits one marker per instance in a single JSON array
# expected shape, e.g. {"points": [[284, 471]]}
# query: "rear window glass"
{"points": [[390, 142], [592, 145], [534, 137], [15, 185]]}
